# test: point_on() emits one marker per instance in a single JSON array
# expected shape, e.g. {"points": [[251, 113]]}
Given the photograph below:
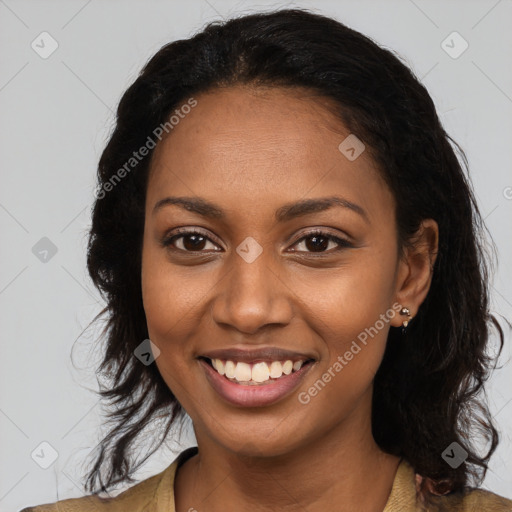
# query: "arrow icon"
{"points": [[454, 45], [249, 249], [44, 455], [454, 455], [44, 45], [44, 250], [146, 352], [351, 147]]}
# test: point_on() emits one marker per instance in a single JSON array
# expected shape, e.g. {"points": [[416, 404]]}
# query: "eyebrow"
{"points": [[285, 213]]}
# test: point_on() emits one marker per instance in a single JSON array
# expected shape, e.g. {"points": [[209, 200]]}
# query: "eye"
{"points": [[320, 242], [195, 241], [190, 240]]}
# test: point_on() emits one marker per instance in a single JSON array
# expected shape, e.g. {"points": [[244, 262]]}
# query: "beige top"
{"points": [[156, 494]]}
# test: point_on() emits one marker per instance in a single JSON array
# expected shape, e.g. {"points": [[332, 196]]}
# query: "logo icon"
{"points": [[351, 147], [44, 250], [44, 45], [146, 352], [455, 455], [249, 249], [44, 455], [454, 45]]}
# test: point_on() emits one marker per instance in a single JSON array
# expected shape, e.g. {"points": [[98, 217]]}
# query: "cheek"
{"points": [[354, 340], [173, 299], [166, 304], [171, 296], [347, 299], [351, 309]]}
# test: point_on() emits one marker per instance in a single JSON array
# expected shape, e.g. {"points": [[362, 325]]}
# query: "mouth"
{"points": [[260, 373], [255, 384]]}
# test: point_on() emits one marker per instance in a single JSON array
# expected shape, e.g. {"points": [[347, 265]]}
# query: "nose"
{"points": [[252, 296]]}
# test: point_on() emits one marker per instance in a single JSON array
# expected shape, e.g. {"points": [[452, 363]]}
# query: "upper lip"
{"points": [[257, 354]]}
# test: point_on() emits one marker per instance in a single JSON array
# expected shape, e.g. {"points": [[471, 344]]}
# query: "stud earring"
{"points": [[405, 323]]}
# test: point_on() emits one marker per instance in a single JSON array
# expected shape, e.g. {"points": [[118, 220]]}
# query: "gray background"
{"points": [[56, 116]]}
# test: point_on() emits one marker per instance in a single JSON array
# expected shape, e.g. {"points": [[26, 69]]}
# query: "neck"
{"points": [[342, 469]]}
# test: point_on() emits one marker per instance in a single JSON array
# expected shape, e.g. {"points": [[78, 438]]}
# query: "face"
{"points": [[249, 275]]}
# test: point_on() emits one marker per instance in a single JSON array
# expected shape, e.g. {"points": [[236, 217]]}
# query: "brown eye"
{"points": [[318, 242], [187, 241], [195, 241]]}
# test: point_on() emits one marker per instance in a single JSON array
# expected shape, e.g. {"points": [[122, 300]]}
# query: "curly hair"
{"points": [[427, 391]]}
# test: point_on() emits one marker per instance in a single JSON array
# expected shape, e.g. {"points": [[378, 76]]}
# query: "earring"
{"points": [[405, 323]]}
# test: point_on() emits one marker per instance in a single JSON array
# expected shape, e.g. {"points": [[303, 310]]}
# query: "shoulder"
{"points": [[472, 500], [140, 497], [404, 497]]}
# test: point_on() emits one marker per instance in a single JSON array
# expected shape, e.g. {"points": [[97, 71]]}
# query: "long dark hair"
{"points": [[427, 389]]}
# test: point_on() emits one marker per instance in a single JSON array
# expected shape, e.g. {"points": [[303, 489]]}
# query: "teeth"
{"points": [[243, 372], [219, 366], [230, 368], [276, 369], [260, 372], [255, 373], [287, 367]]}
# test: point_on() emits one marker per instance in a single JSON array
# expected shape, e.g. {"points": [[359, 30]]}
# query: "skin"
{"points": [[250, 151]]}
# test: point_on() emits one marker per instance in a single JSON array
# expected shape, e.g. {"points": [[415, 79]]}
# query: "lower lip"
{"points": [[257, 395]]}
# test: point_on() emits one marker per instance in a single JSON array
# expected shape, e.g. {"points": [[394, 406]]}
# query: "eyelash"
{"points": [[180, 233]]}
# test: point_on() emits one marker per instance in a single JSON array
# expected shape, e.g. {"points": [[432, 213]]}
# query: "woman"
{"points": [[282, 214]]}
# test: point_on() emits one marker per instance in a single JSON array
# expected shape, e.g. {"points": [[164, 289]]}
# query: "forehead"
{"points": [[241, 122], [262, 145]]}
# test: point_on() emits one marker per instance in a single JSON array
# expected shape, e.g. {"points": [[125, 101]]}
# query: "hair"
{"points": [[427, 391]]}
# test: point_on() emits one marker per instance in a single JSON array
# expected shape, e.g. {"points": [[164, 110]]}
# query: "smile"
{"points": [[256, 373], [254, 384]]}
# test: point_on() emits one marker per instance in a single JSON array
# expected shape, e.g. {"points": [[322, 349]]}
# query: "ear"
{"points": [[416, 269]]}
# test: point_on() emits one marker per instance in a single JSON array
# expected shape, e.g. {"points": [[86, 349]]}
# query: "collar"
{"points": [[402, 496]]}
